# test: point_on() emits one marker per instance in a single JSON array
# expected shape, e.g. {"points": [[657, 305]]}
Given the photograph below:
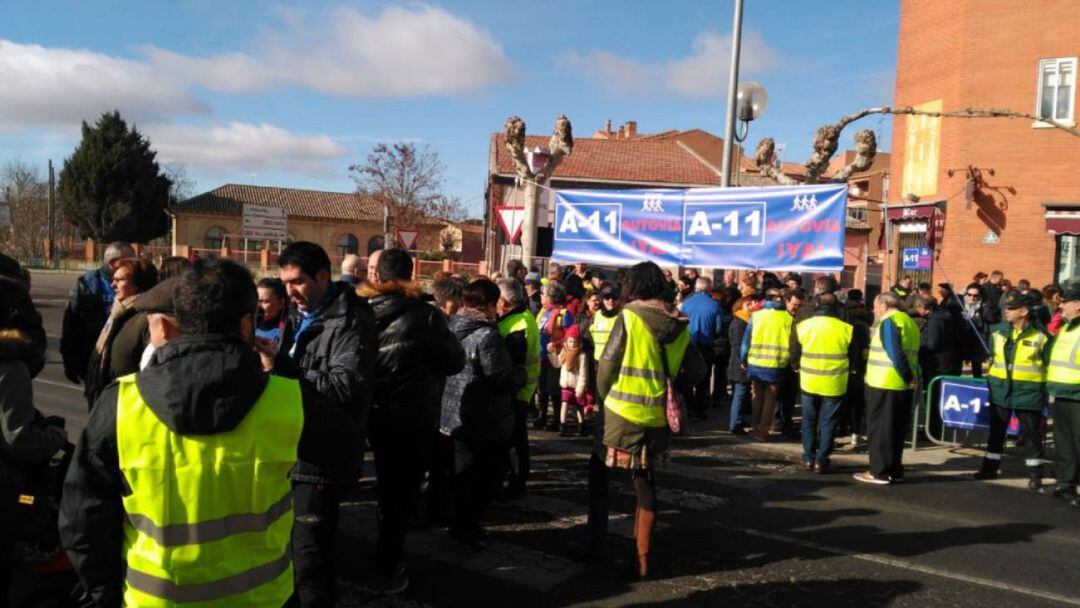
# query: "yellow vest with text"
{"points": [[880, 372], [823, 365], [1065, 357], [599, 331], [209, 517], [640, 394], [1027, 363], [770, 339], [526, 322]]}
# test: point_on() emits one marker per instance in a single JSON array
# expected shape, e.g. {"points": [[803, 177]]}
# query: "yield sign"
{"points": [[511, 219], [407, 237]]}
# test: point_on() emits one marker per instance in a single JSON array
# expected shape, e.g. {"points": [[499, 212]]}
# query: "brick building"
{"points": [[991, 193]]}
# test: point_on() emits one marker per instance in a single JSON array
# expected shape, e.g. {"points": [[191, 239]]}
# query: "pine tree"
{"points": [[111, 188]]}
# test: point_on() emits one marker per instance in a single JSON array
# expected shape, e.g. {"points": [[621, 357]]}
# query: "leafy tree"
{"points": [[410, 180], [112, 187]]}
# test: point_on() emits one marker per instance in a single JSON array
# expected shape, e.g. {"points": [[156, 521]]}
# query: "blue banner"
{"points": [[916, 258], [964, 403], [778, 228]]}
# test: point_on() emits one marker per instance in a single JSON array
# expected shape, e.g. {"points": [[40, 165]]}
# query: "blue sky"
{"points": [[289, 94]]}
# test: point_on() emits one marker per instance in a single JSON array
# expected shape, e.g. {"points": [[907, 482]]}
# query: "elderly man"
{"points": [[706, 322], [352, 269], [518, 328], [89, 303]]}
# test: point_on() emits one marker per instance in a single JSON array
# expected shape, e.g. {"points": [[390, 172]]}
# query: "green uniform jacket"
{"points": [[1014, 394], [1062, 389]]}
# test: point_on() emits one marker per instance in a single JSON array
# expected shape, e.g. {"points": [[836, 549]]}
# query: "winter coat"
{"points": [[416, 349], [198, 385], [576, 377], [975, 332], [664, 323], [735, 371], [89, 302], [477, 402], [118, 348], [939, 352]]}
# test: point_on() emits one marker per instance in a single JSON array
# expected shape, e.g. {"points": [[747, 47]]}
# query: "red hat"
{"points": [[574, 331]]}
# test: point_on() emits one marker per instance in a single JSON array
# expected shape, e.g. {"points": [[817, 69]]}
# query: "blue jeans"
{"points": [[740, 402], [819, 426]]}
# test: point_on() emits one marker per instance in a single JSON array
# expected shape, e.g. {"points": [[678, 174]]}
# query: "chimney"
{"points": [[631, 129], [607, 127], [622, 132]]}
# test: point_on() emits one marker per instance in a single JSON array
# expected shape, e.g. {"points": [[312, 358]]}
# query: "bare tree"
{"points": [[410, 180], [561, 144], [183, 187], [27, 193], [827, 139]]}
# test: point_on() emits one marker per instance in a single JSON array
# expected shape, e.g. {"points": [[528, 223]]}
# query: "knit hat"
{"points": [[574, 331]]}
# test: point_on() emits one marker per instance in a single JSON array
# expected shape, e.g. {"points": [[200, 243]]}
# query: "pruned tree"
{"points": [[112, 188], [827, 139], [561, 144], [27, 194], [182, 187], [410, 180]]}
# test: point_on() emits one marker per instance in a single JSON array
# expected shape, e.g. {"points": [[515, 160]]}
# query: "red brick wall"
{"points": [[985, 53]]}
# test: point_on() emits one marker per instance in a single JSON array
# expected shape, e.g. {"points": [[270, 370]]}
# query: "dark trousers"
{"points": [[740, 405], [1067, 440], [720, 379], [819, 426], [401, 456], [887, 416], [1031, 422], [548, 393], [852, 418], [783, 415], [440, 470], [478, 466], [701, 394], [316, 508], [598, 502], [519, 449]]}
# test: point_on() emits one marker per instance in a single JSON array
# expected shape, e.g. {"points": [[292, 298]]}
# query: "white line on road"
{"points": [[898, 563], [74, 387]]}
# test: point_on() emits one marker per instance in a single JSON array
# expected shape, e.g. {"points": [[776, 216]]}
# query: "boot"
{"points": [[989, 469], [644, 524], [1035, 478]]}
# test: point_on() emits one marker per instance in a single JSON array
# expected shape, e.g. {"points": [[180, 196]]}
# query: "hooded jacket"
{"points": [[415, 348], [196, 385], [477, 403]]}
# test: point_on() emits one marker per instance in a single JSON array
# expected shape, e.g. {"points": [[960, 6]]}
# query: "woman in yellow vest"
{"points": [[647, 344], [1019, 349], [1063, 382]]}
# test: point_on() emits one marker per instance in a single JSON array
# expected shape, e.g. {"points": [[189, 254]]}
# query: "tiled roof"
{"points": [[230, 198]]}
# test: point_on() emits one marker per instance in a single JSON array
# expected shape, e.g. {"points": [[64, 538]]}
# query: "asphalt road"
{"points": [[739, 526]]}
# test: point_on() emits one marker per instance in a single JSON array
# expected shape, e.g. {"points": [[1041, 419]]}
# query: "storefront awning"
{"points": [[922, 211], [1063, 218]]}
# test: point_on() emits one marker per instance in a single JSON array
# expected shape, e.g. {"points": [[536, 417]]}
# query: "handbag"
{"points": [[676, 409]]}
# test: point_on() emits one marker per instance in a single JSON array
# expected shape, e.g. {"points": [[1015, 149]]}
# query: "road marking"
{"points": [[50, 300], [905, 565], [74, 387]]}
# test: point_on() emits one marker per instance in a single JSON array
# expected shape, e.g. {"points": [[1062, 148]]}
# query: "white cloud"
{"points": [[702, 74], [401, 52], [59, 86], [250, 147]]}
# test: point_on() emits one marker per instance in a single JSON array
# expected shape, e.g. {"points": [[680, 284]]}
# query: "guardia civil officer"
{"points": [[1020, 347], [1063, 383], [182, 471]]}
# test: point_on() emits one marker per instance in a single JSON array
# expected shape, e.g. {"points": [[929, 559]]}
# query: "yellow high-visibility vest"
{"points": [[525, 321], [640, 394], [209, 517], [1027, 364], [823, 365], [1065, 357], [880, 372], [599, 331], [770, 339]]}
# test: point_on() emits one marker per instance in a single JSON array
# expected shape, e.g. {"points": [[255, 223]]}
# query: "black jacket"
{"points": [[939, 352], [477, 401], [735, 370], [416, 348], [196, 385], [84, 317]]}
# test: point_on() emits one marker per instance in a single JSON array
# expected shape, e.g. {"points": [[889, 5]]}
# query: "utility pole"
{"points": [[733, 87], [52, 211]]}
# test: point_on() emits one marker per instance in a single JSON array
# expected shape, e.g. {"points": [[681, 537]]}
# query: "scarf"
{"points": [[121, 309]]}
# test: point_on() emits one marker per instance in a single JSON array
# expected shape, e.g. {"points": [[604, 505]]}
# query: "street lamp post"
{"points": [[746, 101]]}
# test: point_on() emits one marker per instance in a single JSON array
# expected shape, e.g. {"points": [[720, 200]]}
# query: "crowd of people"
{"points": [[230, 417]]}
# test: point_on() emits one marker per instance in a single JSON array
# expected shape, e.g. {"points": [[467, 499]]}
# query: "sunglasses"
{"points": [[972, 295]]}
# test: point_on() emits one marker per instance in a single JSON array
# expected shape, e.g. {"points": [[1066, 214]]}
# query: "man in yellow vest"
{"points": [[824, 355], [1063, 382], [519, 330], [179, 489], [766, 348], [891, 370], [1019, 350]]}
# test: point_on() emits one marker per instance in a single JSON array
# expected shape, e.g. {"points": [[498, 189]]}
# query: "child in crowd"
{"points": [[573, 365]]}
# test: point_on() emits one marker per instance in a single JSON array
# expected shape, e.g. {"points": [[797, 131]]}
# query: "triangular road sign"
{"points": [[408, 237], [511, 219]]}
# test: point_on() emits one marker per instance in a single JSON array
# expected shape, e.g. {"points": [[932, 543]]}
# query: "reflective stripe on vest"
{"points": [[526, 322], [640, 393], [600, 331], [1065, 357], [880, 372], [823, 366], [1027, 363], [209, 517], [770, 339]]}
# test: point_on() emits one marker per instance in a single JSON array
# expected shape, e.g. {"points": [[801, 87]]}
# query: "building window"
{"points": [[1068, 258], [857, 214], [215, 238], [847, 276], [376, 243], [347, 244], [253, 245], [1057, 89]]}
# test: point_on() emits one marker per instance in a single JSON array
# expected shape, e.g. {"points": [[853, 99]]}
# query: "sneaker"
{"points": [[389, 585], [867, 477], [1056, 491], [739, 431]]}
